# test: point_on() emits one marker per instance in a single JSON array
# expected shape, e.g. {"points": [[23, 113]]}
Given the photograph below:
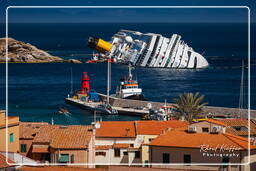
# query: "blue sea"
{"points": [[37, 90]]}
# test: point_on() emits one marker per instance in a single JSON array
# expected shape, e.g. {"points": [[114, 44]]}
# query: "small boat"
{"points": [[164, 113], [99, 58], [106, 109], [63, 110], [95, 58], [129, 88]]}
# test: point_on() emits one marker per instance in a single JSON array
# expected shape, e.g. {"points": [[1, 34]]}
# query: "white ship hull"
{"points": [[154, 50]]}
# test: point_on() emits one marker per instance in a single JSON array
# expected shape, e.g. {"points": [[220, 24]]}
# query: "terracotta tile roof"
{"points": [[57, 168], [125, 129], [12, 120], [123, 145], [181, 138], [3, 163], [131, 128], [157, 127], [29, 129], [73, 136], [233, 123], [103, 147], [214, 121]]}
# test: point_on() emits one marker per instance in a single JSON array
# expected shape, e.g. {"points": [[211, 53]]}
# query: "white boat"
{"points": [[165, 112], [129, 88], [105, 109], [149, 50]]}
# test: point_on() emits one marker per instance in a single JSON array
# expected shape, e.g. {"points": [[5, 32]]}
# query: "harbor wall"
{"points": [[117, 102]]}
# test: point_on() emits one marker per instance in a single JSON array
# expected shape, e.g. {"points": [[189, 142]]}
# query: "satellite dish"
{"points": [[129, 39]]}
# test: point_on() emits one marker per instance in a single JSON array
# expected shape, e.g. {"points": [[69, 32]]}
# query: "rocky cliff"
{"points": [[24, 52]]}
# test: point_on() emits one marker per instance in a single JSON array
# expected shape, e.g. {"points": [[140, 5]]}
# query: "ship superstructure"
{"points": [[149, 50], [129, 88]]}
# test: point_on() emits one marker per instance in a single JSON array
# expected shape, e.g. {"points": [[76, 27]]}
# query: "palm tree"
{"points": [[189, 105]]}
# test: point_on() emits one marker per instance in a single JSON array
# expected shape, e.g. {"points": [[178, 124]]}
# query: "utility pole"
{"points": [[108, 79]]}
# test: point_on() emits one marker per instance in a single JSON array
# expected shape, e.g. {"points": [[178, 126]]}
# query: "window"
{"points": [[237, 128], [23, 148], [100, 153], [205, 129], [64, 158], [240, 128], [117, 152], [125, 153], [225, 160], [150, 139], [72, 158], [11, 137], [137, 154], [166, 158], [187, 158]]}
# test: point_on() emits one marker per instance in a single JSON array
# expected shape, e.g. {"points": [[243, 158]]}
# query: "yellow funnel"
{"points": [[99, 44]]}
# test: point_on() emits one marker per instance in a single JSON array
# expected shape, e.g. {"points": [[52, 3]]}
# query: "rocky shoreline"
{"points": [[21, 52]]}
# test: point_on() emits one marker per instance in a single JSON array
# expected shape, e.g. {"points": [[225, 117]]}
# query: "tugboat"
{"points": [[129, 88]]}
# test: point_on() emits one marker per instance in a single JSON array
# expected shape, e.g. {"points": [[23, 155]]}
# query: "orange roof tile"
{"points": [[157, 127], [181, 138], [3, 163], [131, 128], [125, 129], [238, 122], [214, 121], [123, 145], [73, 136], [28, 130], [12, 120]]}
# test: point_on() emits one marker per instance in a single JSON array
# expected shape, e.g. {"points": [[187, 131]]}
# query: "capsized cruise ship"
{"points": [[149, 50]]}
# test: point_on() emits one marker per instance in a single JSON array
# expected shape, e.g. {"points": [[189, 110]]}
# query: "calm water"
{"points": [[36, 90]]}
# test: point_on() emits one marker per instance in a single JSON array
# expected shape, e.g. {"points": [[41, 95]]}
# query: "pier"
{"points": [[91, 107], [138, 108]]}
